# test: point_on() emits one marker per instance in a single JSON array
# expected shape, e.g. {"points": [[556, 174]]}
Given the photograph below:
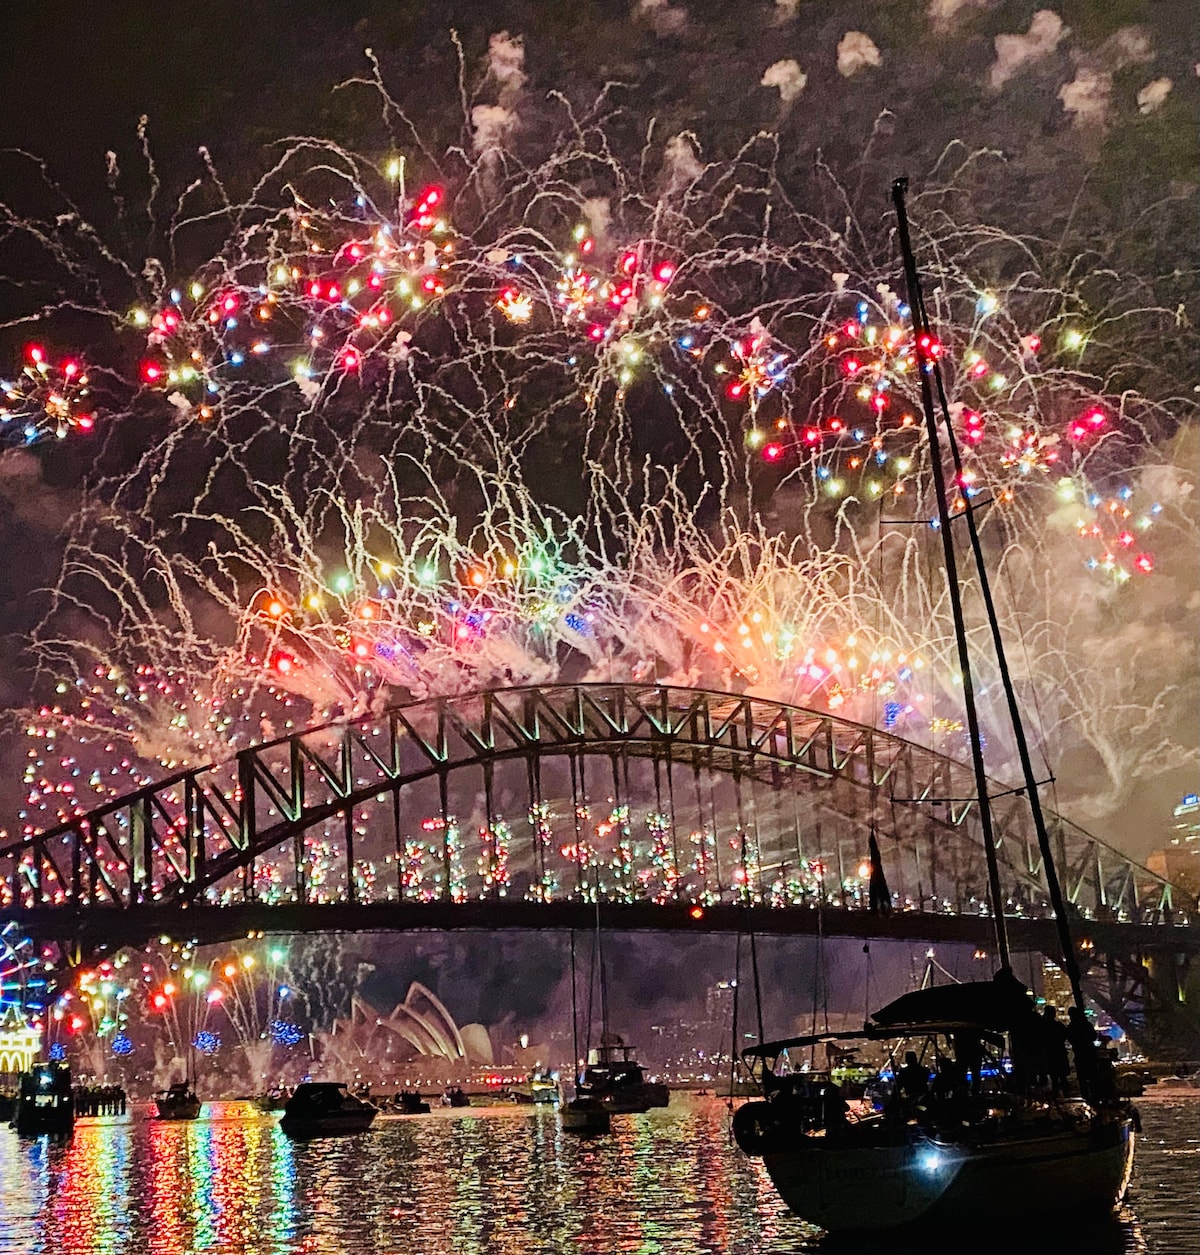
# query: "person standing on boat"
{"points": [[1026, 1050], [1054, 1044], [1105, 1087], [833, 1110], [912, 1080], [968, 1052]]}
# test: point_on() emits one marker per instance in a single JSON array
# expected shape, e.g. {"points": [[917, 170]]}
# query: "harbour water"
{"points": [[476, 1182]]}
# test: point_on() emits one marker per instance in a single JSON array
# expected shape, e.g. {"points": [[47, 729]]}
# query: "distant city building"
{"points": [[1056, 988], [718, 1002], [1179, 860]]}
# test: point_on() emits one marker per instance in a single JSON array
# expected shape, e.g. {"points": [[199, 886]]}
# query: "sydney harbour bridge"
{"points": [[662, 808]]}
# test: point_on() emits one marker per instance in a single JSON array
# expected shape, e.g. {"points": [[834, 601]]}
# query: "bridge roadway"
{"points": [[95, 929]]}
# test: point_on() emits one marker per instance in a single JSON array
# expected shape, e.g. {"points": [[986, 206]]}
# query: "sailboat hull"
{"points": [[635, 1099], [995, 1186]]}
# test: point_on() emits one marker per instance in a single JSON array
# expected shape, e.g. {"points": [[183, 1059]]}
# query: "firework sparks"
{"points": [[371, 369]]}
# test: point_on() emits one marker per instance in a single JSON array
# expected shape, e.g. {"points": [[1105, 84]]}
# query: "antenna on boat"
{"points": [[574, 1019], [928, 365]]}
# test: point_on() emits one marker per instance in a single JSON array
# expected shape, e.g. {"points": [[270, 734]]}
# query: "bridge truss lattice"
{"points": [[620, 792]]}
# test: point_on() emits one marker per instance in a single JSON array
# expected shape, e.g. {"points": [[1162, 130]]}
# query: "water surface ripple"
{"points": [[494, 1181]]}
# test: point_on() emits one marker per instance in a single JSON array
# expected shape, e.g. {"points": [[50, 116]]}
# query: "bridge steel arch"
{"points": [[700, 796]]}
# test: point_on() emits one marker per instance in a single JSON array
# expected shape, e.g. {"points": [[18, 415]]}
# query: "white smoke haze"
{"points": [[1131, 45], [1015, 52], [506, 64], [491, 126], [788, 77], [596, 211], [856, 51], [681, 163], [1154, 95], [1088, 96], [665, 17], [944, 14]]}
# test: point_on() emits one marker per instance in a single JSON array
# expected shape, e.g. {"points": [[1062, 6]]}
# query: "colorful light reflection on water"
{"points": [[478, 1182]]}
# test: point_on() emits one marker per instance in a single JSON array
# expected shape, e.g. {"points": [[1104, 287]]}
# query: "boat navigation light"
{"points": [[931, 1161]]}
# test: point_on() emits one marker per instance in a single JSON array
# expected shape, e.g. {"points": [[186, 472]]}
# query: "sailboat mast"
{"points": [[574, 1018], [1053, 885], [603, 987], [925, 364]]}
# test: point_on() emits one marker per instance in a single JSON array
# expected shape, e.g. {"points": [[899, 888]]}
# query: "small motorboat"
{"points": [[614, 1076], [325, 1109], [585, 1115], [409, 1103], [273, 1100], [177, 1103], [44, 1101], [454, 1097], [539, 1087]]}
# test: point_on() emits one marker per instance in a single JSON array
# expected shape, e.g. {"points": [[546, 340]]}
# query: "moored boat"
{"points": [[273, 1100], [408, 1102], [614, 1077], [973, 1144], [539, 1087], [971, 1148], [44, 1101], [325, 1109], [179, 1102], [585, 1115]]}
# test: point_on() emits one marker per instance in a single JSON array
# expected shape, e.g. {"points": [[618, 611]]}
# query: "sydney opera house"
{"points": [[417, 1040]]}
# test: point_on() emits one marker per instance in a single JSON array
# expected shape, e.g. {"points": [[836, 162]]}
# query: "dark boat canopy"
{"points": [[998, 1004], [986, 1006]]}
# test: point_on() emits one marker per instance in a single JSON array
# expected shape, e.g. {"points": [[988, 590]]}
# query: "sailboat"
{"points": [[584, 1113], [613, 1075], [955, 1149], [179, 1101]]}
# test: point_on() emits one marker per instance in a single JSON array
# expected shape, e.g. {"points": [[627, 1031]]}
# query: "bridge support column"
{"points": [[1172, 1006]]}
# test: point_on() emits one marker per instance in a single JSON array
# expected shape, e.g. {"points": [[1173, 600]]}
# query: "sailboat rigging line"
{"points": [[587, 1041], [578, 818], [819, 980], [758, 841], [574, 1019], [734, 1052], [533, 772], [867, 984], [753, 947], [1062, 920], [758, 1007], [925, 363], [599, 951]]}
